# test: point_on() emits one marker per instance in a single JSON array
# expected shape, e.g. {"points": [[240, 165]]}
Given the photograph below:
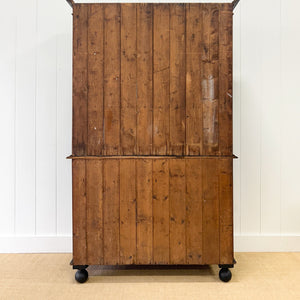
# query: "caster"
{"points": [[225, 274], [81, 276]]}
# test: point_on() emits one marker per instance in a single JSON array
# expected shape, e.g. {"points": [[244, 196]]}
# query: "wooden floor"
{"points": [[49, 276]]}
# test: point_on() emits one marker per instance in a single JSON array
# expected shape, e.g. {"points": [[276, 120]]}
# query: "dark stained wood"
{"points": [[127, 211], [111, 207], [161, 203], [128, 79], [210, 211], [193, 173], [144, 78], [80, 86], [226, 210], [112, 85], [79, 213], [95, 80], [161, 79], [177, 79], [194, 122], [152, 134], [94, 211], [210, 78], [225, 86], [177, 212], [144, 226]]}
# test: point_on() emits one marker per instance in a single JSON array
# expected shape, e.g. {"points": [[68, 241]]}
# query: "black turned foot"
{"points": [[81, 276], [225, 274]]}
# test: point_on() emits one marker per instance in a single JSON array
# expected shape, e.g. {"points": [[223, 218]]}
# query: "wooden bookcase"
{"points": [[152, 135]]}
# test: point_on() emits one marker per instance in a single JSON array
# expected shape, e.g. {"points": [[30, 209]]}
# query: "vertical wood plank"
{"points": [[95, 79], [25, 116], [177, 212], [161, 239], [64, 121], [79, 212], [161, 79], [46, 118], [94, 211], [112, 65], [225, 77], [210, 78], [194, 121], [8, 30], [194, 198], [144, 78], [128, 79], [251, 117], [226, 211], [210, 211], [271, 119], [80, 85], [144, 246], [177, 79], [111, 211], [127, 211]]}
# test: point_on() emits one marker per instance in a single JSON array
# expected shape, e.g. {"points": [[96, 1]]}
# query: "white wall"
{"points": [[35, 125]]}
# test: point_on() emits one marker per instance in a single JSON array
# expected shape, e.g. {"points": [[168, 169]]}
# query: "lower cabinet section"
{"points": [[143, 210]]}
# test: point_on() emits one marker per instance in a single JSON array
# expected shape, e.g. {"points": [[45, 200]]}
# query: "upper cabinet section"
{"points": [[152, 79]]}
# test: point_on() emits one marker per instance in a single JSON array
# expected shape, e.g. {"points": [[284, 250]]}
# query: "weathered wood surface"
{"points": [[152, 211], [152, 79]]}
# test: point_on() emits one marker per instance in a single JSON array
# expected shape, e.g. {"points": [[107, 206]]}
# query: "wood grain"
{"points": [[226, 210], [111, 207], [80, 85], [94, 211], [112, 73], [144, 221], [95, 141], [225, 82], [210, 211], [194, 230], [177, 212], [144, 78], [79, 212], [210, 79], [161, 203], [128, 79], [127, 211], [194, 119], [177, 79], [161, 79]]}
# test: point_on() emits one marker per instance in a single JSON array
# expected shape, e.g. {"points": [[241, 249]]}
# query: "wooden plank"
{"points": [[225, 85], [210, 78], [94, 211], [144, 78], [95, 80], [128, 79], [161, 240], [161, 79], [144, 224], [111, 211], [127, 211], [80, 86], [177, 212], [79, 212], [112, 57], [210, 211], [177, 79], [194, 25], [226, 211], [193, 200]]}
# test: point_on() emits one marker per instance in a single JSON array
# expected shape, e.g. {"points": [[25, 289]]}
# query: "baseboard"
{"points": [[63, 244]]}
